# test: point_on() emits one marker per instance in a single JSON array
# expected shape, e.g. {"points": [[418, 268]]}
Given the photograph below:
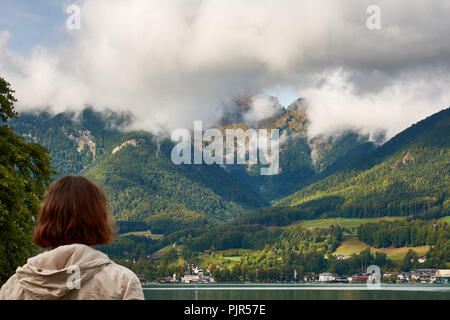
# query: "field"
{"points": [[226, 258], [232, 259], [446, 219], [397, 254], [147, 234], [348, 223], [350, 246], [353, 245], [234, 255]]}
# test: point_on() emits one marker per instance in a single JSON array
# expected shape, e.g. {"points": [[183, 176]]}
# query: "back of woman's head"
{"points": [[75, 210]]}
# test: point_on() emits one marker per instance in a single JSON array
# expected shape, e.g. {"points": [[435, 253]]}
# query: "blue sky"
{"points": [[33, 21]]}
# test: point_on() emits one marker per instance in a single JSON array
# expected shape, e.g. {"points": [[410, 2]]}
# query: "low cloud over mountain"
{"points": [[174, 61]]}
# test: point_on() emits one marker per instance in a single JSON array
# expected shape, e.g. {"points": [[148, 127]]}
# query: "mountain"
{"points": [[213, 207], [406, 176], [409, 174], [142, 183], [302, 160], [136, 171]]}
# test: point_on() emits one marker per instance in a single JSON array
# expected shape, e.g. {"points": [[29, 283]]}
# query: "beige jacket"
{"points": [[75, 272]]}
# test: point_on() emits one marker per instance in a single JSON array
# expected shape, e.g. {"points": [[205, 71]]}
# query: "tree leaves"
{"points": [[24, 175]]}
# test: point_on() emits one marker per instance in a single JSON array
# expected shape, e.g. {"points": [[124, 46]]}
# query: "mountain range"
{"points": [[348, 175]]}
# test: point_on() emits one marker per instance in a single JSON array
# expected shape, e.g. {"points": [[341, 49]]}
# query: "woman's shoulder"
{"points": [[11, 289], [125, 278]]}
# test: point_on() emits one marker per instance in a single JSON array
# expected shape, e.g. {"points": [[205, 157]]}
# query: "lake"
{"points": [[296, 292]]}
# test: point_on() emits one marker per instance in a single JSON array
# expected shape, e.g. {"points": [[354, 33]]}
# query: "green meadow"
{"points": [[350, 224], [352, 245]]}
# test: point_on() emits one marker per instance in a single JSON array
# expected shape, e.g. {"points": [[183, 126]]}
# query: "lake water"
{"points": [[296, 292]]}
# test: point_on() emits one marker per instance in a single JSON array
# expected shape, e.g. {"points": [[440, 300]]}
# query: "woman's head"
{"points": [[75, 210]]}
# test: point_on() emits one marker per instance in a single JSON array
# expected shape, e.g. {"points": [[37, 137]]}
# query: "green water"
{"points": [[296, 292]]}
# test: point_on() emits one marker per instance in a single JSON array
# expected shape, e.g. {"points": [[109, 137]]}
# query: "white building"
{"points": [[327, 277], [342, 256], [190, 278], [198, 271], [443, 273], [422, 259], [423, 275], [195, 278]]}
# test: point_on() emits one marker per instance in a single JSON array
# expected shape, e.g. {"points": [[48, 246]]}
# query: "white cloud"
{"points": [[174, 61], [334, 106], [262, 106]]}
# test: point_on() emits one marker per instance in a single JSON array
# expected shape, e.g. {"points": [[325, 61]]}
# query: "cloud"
{"points": [[262, 106], [334, 106], [175, 61]]}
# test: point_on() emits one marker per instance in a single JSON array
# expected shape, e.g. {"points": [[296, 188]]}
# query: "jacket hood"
{"points": [[50, 274]]}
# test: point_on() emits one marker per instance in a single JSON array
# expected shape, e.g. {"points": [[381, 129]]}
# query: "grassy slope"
{"points": [[353, 245], [347, 223], [446, 219], [350, 246], [147, 234]]}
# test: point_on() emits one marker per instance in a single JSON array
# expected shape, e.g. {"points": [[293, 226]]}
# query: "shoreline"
{"points": [[309, 286]]}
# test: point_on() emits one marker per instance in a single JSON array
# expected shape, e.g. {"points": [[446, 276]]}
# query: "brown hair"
{"points": [[75, 210]]}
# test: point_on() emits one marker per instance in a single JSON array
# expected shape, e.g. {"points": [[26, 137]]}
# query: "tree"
{"points": [[24, 175], [6, 101], [410, 261]]}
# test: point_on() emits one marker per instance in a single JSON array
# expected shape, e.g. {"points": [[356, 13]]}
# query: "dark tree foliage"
{"points": [[282, 216], [403, 233], [7, 101], [256, 237], [24, 175], [131, 247]]}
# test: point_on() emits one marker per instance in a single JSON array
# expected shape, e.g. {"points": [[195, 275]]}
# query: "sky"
{"points": [[33, 22], [171, 62]]}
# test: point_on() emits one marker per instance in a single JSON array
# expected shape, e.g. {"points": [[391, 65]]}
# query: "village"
{"points": [[438, 276], [197, 275]]}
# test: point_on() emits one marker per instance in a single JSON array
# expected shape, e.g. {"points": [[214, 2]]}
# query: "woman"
{"points": [[74, 217]]}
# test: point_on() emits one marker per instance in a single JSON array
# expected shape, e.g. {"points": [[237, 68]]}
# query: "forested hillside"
{"points": [[143, 184], [403, 233], [407, 176], [136, 171], [410, 174], [345, 176]]}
